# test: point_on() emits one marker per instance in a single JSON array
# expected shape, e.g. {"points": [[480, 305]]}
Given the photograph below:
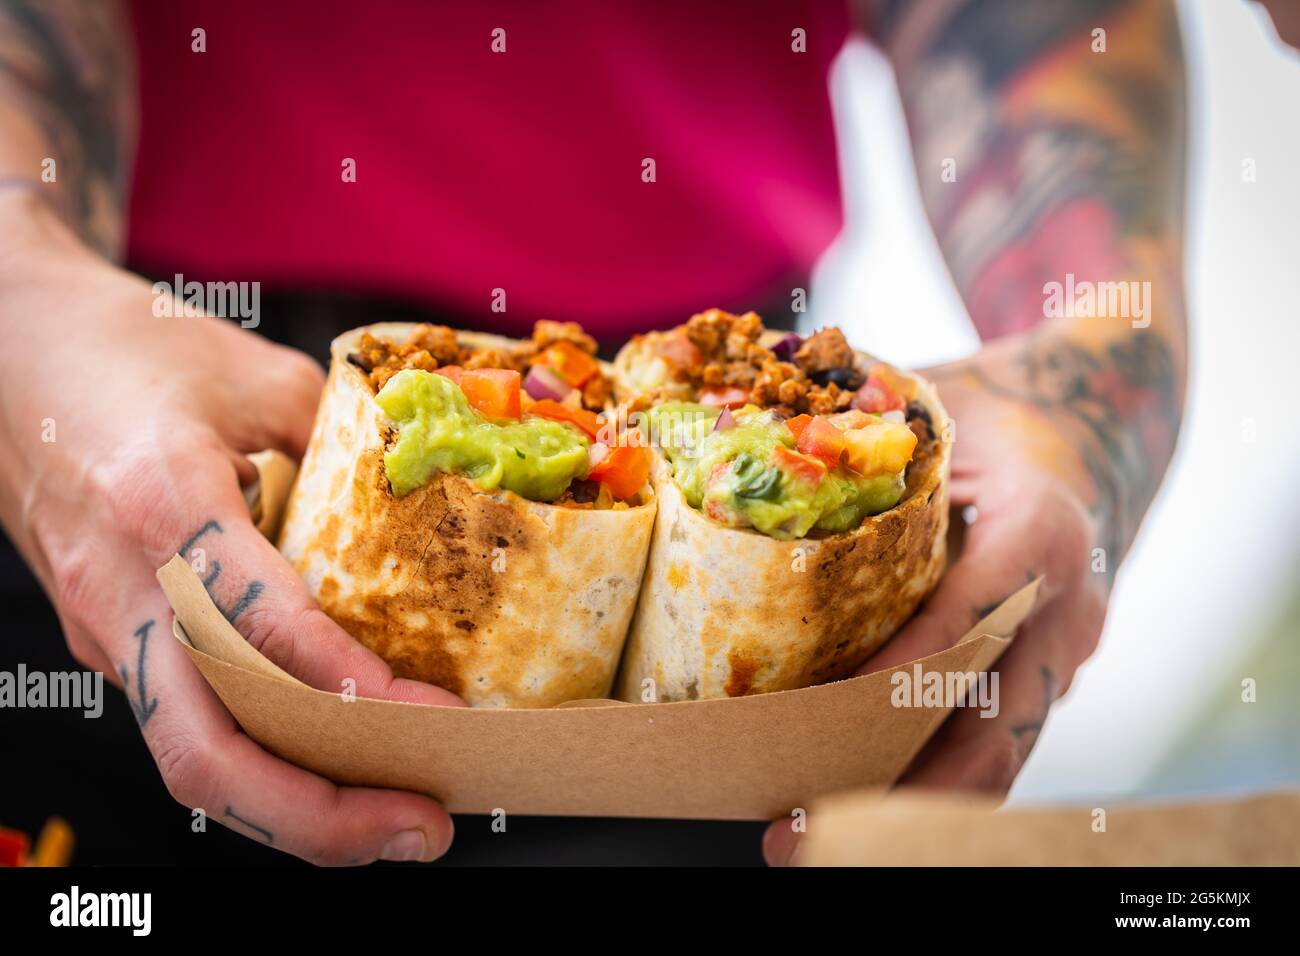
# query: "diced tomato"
{"points": [[677, 348], [724, 396], [902, 385], [453, 372], [573, 364], [850, 419], [879, 449], [823, 440], [723, 514], [797, 425], [623, 471], [492, 392], [801, 467], [13, 848], [587, 422], [884, 390]]}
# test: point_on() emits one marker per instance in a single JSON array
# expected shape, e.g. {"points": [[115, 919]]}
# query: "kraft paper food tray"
{"points": [[747, 758], [919, 829]]}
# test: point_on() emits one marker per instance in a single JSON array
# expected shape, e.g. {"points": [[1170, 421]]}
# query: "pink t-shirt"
{"points": [[478, 171]]}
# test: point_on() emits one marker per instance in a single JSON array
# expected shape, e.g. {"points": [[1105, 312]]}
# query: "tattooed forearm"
{"points": [[1120, 403], [67, 95], [143, 706], [1049, 139], [1050, 148], [261, 832]]}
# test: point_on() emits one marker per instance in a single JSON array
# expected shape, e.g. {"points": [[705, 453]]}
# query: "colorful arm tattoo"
{"points": [[67, 110], [1050, 147]]}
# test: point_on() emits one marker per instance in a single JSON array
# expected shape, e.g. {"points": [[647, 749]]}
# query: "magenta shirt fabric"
{"points": [[479, 170]]}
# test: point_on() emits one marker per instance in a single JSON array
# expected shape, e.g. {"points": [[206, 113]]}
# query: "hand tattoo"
{"points": [[266, 836], [1029, 731], [1123, 404], [252, 590], [143, 707]]}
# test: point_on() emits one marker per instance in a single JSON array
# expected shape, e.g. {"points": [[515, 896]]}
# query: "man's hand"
{"points": [[1047, 434], [1031, 495], [123, 443], [1049, 150]]}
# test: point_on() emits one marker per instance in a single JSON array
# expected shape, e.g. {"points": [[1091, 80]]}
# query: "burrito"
{"points": [[803, 505], [466, 511]]}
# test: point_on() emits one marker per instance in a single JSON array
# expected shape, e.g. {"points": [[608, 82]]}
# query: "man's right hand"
{"points": [[122, 443]]}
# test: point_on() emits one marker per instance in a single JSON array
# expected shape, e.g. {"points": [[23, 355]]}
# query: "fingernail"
{"points": [[780, 845], [405, 846]]}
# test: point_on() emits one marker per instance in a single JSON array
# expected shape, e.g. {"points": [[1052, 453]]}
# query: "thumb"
{"points": [[998, 560], [266, 601], [201, 514]]}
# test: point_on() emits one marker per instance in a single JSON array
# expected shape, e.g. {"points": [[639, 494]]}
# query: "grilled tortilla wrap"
{"points": [[504, 601], [726, 612]]}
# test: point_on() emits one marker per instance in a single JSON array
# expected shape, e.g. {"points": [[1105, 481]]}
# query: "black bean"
{"points": [[358, 361], [917, 410], [585, 491], [846, 378]]}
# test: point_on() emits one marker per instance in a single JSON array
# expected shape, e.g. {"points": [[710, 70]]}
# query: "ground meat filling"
{"points": [[819, 378], [818, 375], [430, 347]]}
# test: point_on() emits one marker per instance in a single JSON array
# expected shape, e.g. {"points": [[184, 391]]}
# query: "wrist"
{"points": [[36, 234], [1100, 410]]}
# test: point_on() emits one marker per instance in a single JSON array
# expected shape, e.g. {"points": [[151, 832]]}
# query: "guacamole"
{"points": [[438, 431], [730, 476]]}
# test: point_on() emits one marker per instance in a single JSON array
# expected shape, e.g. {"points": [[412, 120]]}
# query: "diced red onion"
{"points": [[596, 453], [784, 350], [725, 420], [895, 416], [542, 382]]}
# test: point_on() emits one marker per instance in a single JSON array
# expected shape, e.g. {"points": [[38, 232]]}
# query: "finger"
{"points": [[295, 402], [970, 751], [276, 406], [993, 566], [191, 504], [781, 842], [208, 764], [984, 749], [87, 653], [314, 819], [245, 470], [266, 601], [1015, 539]]}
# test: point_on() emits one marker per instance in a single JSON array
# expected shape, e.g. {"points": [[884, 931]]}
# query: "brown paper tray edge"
{"points": [[182, 586]]}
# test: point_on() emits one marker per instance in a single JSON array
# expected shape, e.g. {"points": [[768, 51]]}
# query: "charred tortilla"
{"points": [[726, 612], [504, 601]]}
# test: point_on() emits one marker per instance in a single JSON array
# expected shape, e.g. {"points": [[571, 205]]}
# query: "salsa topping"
{"points": [[561, 353], [784, 478], [717, 358], [523, 417]]}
